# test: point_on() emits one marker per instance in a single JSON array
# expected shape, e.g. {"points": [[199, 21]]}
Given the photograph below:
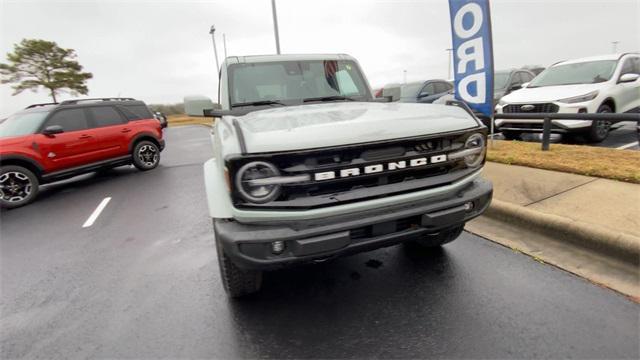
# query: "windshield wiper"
{"points": [[259, 103], [329, 98]]}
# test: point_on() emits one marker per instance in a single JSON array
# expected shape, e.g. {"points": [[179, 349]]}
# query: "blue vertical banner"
{"points": [[472, 53]]}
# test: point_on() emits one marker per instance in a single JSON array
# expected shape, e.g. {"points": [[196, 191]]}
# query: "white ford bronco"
{"points": [[308, 166]]}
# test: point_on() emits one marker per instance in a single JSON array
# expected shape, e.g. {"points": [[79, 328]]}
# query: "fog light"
{"points": [[277, 247], [468, 206]]}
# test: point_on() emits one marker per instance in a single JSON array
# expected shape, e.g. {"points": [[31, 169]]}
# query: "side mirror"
{"points": [[197, 105], [421, 95], [525, 85], [52, 130], [628, 78], [515, 87]]}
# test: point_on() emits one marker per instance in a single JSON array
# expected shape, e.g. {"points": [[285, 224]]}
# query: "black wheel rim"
{"points": [[15, 186], [602, 128], [148, 155]]}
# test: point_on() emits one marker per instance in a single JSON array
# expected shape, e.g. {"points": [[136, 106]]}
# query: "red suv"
{"points": [[50, 142]]}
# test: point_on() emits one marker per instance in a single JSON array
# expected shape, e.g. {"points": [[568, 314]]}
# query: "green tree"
{"points": [[36, 63]]}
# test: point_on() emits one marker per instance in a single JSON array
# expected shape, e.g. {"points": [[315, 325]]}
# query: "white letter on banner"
{"points": [[480, 80], [476, 54], [476, 11]]}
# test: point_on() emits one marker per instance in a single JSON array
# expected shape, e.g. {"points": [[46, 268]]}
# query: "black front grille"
{"points": [[319, 193], [530, 108]]}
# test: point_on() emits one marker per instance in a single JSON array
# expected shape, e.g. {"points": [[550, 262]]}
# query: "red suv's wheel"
{"points": [[18, 186], [146, 155]]}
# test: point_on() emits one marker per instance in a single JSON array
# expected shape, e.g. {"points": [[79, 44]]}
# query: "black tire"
{"points": [[237, 282], [18, 186], [599, 130], [441, 238], [146, 155], [512, 135]]}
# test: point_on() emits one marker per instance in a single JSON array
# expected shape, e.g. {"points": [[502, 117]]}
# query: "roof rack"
{"points": [[43, 104], [71, 102]]}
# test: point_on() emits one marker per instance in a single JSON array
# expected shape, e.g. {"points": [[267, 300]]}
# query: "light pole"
{"points": [[215, 50], [615, 46], [224, 44], [404, 76], [275, 26], [449, 60]]}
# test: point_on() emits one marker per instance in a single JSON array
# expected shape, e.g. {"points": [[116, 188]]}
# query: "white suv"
{"points": [[609, 83]]}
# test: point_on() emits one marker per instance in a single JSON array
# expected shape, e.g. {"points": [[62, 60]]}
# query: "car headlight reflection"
{"points": [[476, 144], [248, 184]]}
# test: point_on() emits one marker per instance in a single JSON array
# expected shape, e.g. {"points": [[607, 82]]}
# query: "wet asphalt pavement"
{"points": [[143, 282]]}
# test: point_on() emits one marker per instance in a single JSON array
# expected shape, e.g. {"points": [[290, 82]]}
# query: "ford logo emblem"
{"points": [[527, 107]]}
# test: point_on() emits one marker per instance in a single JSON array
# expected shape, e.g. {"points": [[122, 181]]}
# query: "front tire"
{"points": [[237, 282], [18, 186], [444, 236], [599, 130], [146, 155]]}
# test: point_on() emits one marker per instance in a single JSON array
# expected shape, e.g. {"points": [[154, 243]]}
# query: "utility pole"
{"points": [[449, 60], [404, 76], [215, 50], [615, 46], [275, 26], [224, 43]]}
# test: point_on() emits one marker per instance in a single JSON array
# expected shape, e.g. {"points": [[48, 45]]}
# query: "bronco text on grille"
{"points": [[325, 177]]}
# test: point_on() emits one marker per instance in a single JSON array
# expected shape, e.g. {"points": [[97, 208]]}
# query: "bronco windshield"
{"points": [[292, 82], [22, 124], [590, 72]]}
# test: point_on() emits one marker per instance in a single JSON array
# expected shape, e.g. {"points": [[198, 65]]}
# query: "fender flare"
{"points": [[140, 136], [218, 199], [22, 158]]}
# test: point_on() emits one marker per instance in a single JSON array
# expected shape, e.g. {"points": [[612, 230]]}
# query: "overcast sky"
{"points": [[160, 51]]}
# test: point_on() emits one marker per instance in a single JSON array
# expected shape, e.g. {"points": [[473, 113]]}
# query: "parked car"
{"points": [[600, 84], [49, 142], [425, 91], [504, 82], [308, 166], [418, 92]]}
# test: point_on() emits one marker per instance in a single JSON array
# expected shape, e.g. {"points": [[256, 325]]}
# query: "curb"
{"points": [[619, 245]]}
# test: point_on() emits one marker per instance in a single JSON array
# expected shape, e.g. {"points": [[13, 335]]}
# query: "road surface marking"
{"points": [[627, 146], [96, 212]]}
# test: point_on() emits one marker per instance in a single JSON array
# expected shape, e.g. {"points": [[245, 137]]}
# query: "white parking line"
{"points": [[627, 146], [96, 212]]}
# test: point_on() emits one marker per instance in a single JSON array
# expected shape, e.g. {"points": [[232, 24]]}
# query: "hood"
{"points": [[550, 93], [342, 123]]}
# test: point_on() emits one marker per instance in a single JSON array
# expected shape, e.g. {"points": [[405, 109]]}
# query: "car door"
{"points": [[627, 95], [428, 93], [74, 147], [112, 131]]}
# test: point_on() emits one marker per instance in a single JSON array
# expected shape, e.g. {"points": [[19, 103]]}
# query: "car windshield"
{"points": [[21, 124], [500, 80], [590, 72], [292, 82]]}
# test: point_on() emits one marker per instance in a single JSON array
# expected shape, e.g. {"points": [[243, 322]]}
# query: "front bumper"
{"points": [[249, 244]]}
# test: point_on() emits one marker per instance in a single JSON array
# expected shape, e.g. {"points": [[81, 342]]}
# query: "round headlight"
{"points": [[475, 141], [257, 193]]}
